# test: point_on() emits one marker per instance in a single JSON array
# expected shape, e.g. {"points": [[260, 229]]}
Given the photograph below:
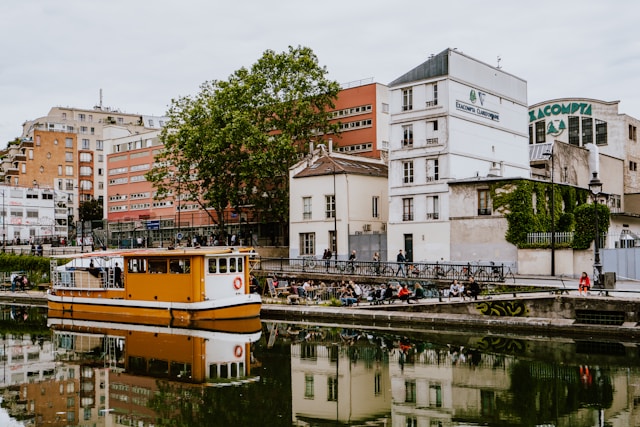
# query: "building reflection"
{"points": [[119, 374], [354, 377]]}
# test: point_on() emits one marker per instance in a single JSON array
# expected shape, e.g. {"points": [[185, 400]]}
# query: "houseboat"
{"points": [[159, 286]]}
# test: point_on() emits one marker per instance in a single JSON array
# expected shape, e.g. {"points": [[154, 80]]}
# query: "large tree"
{"points": [[232, 144]]}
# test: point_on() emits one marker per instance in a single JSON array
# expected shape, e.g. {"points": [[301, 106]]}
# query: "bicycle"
{"points": [[378, 269], [345, 267]]}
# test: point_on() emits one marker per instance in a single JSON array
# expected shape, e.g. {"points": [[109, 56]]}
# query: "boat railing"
{"points": [[82, 279]]}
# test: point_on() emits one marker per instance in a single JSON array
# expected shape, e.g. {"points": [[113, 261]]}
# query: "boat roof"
{"points": [[213, 250]]}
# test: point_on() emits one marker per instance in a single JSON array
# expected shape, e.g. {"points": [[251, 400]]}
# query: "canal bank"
{"points": [[615, 315]]}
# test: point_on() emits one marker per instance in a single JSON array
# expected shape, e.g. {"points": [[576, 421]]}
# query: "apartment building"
{"points": [[64, 150], [452, 117], [362, 112]]}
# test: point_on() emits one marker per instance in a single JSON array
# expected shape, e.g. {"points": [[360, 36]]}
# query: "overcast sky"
{"points": [[143, 53]]}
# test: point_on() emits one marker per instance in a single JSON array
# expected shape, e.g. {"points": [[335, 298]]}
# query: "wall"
{"points": [[569, 262]]}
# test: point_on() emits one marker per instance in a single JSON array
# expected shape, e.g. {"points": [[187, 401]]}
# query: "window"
{"points": [[68, 142], [377, 384], [574, 130], [633, 133], [540, 132], [407, 136], [530, 135], [150, 123], [434, 124], [59, 170], [407, 172], [633, 166], [306, 208], [307, 243], [332, 389], [601, 132], [374, 206], [330, 203], [435, 94], [68, 157], [435, 395], [407, 209], [410, 391], [85, 144], [84, 129], [407, 99], [99, 144], [85, 157], [308, 386], [587, 131], [433, 207], [432, 170], [484, 207], [82, 117], [68, 170], [385, 107]]}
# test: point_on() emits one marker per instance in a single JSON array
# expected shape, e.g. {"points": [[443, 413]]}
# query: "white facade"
{"points": [[360, 188], [32, 212], [452, 117]]}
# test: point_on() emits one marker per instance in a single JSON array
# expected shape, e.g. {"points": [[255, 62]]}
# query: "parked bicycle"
{"points": [[345, 267]]}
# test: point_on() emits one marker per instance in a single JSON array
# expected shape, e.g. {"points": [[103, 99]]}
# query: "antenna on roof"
{"points": [[99, 106], [499, 59]]}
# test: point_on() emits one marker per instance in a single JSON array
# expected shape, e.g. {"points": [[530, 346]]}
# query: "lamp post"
{"points": [[553, 213], [595, 186], [3, 229]]}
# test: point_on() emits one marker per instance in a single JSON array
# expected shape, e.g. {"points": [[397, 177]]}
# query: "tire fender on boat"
{"points": [[238, 351], [237, 282]]}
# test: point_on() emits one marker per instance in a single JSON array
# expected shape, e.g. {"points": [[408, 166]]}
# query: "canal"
{"points": [[70, 372]]}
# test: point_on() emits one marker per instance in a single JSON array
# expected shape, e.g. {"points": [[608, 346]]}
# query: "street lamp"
{"points": [[553, 213], [595, 186], [3, 229]]}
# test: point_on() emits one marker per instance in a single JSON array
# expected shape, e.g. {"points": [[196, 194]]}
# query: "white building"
{"points": [[33, 212], [452, 117], [336, 195]]}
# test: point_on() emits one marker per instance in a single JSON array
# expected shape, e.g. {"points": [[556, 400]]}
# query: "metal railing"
{"points": [[482, 271]]}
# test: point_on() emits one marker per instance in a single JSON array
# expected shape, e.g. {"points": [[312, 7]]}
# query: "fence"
{"points": [[545, 238]]}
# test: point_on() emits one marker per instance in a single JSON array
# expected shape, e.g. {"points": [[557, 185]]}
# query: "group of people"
{"points": [[458, 290]]}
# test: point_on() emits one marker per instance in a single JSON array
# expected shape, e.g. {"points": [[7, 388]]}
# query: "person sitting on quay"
{"points": [[347, 297], [418, 292], [389, 293], [473, 289], [455, 290], [404, 294]]}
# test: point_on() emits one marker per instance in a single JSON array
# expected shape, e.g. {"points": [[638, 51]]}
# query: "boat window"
{"points": [[212, 265], [232, 265], [223, 265], [240, 264], [137, 265], [157, 266], [180, 265]]}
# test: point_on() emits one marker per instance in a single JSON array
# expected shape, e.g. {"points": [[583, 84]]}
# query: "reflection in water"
{"points": [[75, 372]]}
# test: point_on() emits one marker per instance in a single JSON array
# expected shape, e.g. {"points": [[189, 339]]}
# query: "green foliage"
{"points": [[233, 143], [91, 210], [585, 230], [514, 199], [12, 262]]}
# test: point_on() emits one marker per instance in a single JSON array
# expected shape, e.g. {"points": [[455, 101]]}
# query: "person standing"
{"points": [[327, 258], [376, 263], [400, 259], [117, 275], [584, 284]]}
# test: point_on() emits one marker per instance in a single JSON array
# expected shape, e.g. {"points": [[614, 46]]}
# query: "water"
{"points": [[64, 372]]}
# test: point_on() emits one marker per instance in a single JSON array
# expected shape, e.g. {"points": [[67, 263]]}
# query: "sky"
{"points": [[143, 53]]}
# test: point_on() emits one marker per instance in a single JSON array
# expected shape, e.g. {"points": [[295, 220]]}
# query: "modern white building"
{"points": [[33, 213], [336, 198], [452, 117]]}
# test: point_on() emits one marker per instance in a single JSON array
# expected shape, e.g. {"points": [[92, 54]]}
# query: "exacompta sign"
{"points": [[478, 111], [557, 109]]}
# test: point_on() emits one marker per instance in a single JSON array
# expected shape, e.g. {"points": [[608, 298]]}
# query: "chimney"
{"points": [[330, 145]]}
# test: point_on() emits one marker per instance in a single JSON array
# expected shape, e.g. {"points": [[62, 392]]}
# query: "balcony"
{"points": [[406, 142], [433, 103], [432, 141], [485, 211], [407, 217], [433, 215]]}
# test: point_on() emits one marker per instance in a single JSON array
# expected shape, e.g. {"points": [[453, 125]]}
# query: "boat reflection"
{"points": [[134, 372]]}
